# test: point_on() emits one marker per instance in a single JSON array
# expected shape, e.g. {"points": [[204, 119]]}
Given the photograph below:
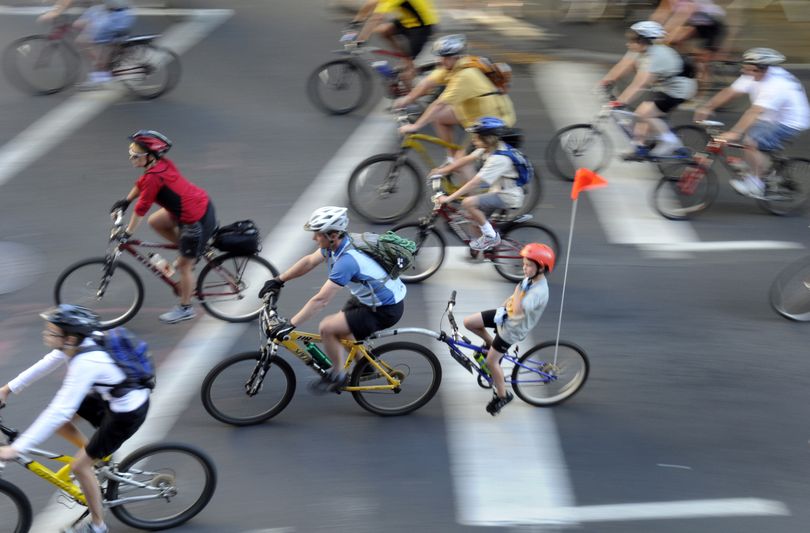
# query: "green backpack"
{"points": [[392, 252]]}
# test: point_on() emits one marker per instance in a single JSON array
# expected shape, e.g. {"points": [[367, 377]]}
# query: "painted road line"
{"points": [[140, 11], [622, 207], [50, 130], [210, 340], [722, 246], [493, 459]]}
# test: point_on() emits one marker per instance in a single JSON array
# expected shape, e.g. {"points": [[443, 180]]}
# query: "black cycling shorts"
{"points": [[488, 317], [664, 102], [112, 429], [363, 320], [417, 37], [711, 35], [194, 236]]}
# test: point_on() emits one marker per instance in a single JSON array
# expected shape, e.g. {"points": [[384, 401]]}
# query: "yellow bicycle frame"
{"points": [[357, 351], [412, 142], [60, 478]]}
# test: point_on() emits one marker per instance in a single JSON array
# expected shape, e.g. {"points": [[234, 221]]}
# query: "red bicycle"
{"points": [[505, 257], [227, 287]]}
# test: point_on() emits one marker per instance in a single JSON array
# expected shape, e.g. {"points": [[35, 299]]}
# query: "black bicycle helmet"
{"points": [[72, 319]]}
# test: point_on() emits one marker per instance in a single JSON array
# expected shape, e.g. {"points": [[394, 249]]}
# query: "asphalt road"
{"points": [[697, 390]]}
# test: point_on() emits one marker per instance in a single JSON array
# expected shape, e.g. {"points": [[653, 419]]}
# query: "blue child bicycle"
{"points": [[547, 374]]}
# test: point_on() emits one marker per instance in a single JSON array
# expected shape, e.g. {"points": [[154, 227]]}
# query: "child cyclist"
{"points": [[515, 319], [498, 173]]}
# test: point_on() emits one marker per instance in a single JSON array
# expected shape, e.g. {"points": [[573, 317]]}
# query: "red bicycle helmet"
{"points": [[152, 141], [541, 254]]}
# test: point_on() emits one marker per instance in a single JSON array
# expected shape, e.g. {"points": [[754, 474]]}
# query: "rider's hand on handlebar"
{"points": [[730, 136], [616, 104], [702, 113], [48, 16], [7, 453], [443, 199], [121, 204], [282, 330], [271, 286], [408, 128], [123, 236]]}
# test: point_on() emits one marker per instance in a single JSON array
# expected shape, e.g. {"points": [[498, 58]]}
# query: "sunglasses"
{"points": [[51, 333], [136, 155]]}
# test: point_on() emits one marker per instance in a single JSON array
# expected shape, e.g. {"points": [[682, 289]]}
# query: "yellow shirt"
{"points": [[410, 13], [464, 89]]}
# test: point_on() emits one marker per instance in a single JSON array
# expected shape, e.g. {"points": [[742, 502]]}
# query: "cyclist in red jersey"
{"points": [[186, 216]]}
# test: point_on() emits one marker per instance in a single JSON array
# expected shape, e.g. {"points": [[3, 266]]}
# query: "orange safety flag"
{"points": [[585, 180]]}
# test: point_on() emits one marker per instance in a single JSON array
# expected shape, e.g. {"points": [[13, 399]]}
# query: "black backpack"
{"points": [[689, 69]]}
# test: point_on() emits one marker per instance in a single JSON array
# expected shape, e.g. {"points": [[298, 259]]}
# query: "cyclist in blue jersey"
{"points": [[377, 301]]}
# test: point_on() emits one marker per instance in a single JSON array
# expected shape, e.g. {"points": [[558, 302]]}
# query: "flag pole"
{"points": [[565, 277]]}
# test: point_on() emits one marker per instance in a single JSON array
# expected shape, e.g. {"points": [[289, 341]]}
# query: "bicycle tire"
{"points": [[346, 70], [790, 293], [58, 64], [364, 372], [244, 305], [84, 293], [380, 203], [506, 256], [234, 387], [126, 512], [684, 193], [136, 65], [564, 155], [791, 194], [19, 500], [530, 363], [429, 255]]}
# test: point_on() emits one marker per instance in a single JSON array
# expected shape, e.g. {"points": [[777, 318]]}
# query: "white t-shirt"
{"points": [[500, 175], [84, 370], [782, 96]]}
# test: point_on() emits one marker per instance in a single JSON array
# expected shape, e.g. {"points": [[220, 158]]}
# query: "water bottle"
{"points": [[161, 264], [320, 357], [384, 68], [482, 361]]}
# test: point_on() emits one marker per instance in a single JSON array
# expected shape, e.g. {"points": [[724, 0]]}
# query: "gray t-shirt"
{"points": [[666, 64], [516, 328]]}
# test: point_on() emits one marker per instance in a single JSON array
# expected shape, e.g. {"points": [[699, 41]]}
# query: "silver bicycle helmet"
{"points": [[649, 29], [450, 45], [329, 218], [762, 56], [72, 319]]}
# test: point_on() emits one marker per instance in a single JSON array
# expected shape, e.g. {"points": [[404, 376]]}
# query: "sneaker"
{"points": [[750, 186], [665, 147], [95, 80], [329, 383], [178, 313], [637, 153], [86, 526], [483, 242], [497, 403]]}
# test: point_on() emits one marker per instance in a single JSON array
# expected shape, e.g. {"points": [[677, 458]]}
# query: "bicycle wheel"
{"points": [[790, 291], [178, 479], [788, 192], [228, 286], [339, 86], [430, 250], [14, 508], [577, 146], [40, 65], [540, 379], [148, 71], [384, 188], [115, 295], [417, 369], [685, 191], [506, 256], [240, 391]]}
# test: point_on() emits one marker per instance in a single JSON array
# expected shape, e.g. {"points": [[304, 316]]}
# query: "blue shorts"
{"points": [[105, 25], [770, 136]]}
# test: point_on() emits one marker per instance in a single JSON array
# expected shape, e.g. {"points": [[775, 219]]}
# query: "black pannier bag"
{"points": [[240, 237]]}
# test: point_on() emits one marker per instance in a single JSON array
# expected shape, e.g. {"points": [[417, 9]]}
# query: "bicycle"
{"points": [[145, 490], [46, 64], [349, 78], [588, 146], [114, 290], [690, 187], [790, 291], [385, 188], [251, 387], [547, 374], [431, 246]]}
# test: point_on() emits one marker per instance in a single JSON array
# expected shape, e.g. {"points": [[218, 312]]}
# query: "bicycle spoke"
{"points": [[549, 374]]}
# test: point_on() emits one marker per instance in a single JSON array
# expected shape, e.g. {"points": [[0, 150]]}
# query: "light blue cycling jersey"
{"points": [[365, 279]]}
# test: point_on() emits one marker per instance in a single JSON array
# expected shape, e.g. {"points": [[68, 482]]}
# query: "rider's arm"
{"points": [[317, 303], [134, 193], [747, 120], [50, 362], [302, 266], [365, 10], [470, 186], [642, 80], [718, 100], [457, 164], [422, 88], [679, 17], [432, 110], [134, 221], [662, 12], [59, 7], [371, 23], [620, 69]]}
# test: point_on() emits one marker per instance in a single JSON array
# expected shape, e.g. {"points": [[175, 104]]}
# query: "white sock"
{"points": [[669, 137], [449, 159], [487, 229]]}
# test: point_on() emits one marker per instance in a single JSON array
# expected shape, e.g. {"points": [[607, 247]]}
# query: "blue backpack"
{"points": [[132, 357], [522, 165]]}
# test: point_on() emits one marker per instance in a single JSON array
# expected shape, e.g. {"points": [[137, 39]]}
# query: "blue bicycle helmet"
{"points": [[488, 126], [72, 319]]}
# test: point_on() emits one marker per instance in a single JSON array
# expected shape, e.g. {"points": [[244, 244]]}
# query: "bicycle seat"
{"points": [[710, 123]]}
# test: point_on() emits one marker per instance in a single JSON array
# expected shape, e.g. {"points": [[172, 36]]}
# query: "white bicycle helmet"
{"points": [[762, 56], [450, 45], [649, 29], [329, 218]]}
